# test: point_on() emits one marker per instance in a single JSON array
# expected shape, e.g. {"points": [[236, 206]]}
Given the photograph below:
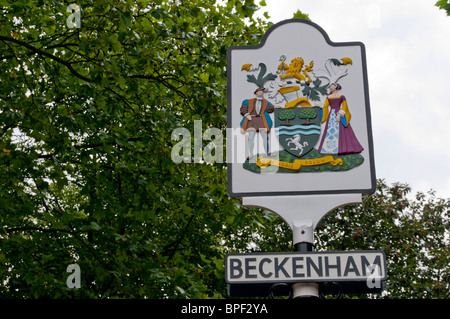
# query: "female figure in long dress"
{"points": [[338, 136]]}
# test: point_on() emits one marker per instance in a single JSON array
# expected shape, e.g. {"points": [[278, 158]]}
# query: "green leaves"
{"points": [[85, 130], [287, 114], [413, 233], [443, 5], [301, 15], [262, 76], [307, 113], [113, 41], [312, 92], [86, 119]]}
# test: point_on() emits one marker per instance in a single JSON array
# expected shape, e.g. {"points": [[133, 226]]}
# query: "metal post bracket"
{"points": [[302, 207], [303, 231]]}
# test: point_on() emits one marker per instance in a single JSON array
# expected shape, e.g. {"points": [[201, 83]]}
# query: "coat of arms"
{"points": [[307, 111], [298, 115]]}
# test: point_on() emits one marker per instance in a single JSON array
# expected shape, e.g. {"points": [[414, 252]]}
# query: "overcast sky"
{"points": [[408, 54]]}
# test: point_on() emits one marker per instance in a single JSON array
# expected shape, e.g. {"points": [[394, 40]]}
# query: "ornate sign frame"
{"points": [[298, 117]]}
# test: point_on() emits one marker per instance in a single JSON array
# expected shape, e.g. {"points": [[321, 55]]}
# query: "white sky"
{"points": [[408, 55]]}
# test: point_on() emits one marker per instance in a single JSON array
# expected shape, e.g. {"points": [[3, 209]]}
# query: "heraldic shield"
{"points": [[298, 129]]}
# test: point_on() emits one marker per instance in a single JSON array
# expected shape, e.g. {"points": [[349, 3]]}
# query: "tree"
{"points": [[286, 115], [307, 114], [313, 92], [412, 231], [85, 155]]}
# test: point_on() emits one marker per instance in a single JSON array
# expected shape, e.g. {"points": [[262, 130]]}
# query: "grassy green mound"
{"points": [[349, 161]]}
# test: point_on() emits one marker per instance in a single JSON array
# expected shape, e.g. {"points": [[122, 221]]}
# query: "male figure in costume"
{"points": [[256, 119]]}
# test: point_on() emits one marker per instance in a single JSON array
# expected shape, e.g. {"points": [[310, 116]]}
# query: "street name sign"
{"points": [[305, 267], [299, 143]]}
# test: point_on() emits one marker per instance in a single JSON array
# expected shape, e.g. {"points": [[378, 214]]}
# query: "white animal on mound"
{"points": [[296, 141]]}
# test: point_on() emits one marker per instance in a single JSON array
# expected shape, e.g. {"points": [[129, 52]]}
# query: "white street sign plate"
{"points": [[305, 267]]}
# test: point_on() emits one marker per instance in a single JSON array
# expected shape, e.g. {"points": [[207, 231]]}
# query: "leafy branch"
{"points": [[312, 92], [262, 77], [443, 5], [5, 39]]}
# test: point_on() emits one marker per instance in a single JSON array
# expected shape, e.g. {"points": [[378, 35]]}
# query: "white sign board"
{"points": [[305, 267], [298, 115]]}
